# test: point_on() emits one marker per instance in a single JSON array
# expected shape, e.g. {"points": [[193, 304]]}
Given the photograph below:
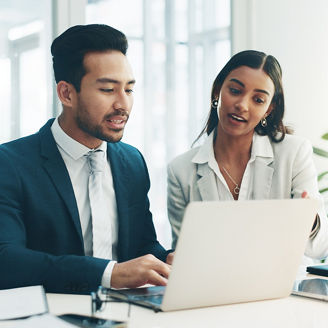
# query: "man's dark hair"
{"points": [[69, 48]]}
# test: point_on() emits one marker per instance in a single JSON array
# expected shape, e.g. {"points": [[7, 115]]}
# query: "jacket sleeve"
{"points": [[305, 179], [22, 266], [176, 204]]}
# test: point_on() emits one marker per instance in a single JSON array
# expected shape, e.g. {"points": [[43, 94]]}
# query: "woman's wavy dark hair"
{"points": [[270, 65]]}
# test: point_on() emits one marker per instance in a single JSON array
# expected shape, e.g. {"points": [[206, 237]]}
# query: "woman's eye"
{"points": [[259, 100], [129, 90], [235, 91]]}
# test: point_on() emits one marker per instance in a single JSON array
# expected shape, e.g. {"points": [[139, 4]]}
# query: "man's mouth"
{"points": [[117, 122]]}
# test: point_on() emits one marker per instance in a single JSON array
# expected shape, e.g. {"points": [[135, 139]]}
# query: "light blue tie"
{"points": [[101, 225]]}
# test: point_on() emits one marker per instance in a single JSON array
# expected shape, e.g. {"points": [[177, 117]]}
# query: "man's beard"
{"points": [[83, 121]]}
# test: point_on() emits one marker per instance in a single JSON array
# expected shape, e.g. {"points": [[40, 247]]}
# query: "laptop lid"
{"points": [[238, 251]]}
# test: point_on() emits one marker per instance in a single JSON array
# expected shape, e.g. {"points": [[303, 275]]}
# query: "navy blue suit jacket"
{"points": [[40, 233]]}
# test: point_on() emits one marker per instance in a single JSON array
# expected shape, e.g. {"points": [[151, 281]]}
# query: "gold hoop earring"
{"points": [[264, 122]]}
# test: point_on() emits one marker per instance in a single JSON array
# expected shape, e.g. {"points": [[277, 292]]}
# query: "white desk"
{"points": [[293, 311]]}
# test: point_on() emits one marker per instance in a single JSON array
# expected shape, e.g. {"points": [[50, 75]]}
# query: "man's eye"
{"points": [[107, 90], [129, 90]]}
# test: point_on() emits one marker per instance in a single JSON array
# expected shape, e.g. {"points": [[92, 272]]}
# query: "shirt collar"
{"points": [[69, 145], [261, 147], [205, 151]]}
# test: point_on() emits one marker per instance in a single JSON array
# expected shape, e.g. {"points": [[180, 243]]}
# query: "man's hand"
{"points": [[169, 258], [143, 270]]}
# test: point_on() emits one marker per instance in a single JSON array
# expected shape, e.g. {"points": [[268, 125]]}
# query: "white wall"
{"points": [[295, 32]]}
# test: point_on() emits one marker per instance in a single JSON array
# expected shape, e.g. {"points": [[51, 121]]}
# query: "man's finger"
{"points": [[169, 258], [155, 278], [162, 268]]}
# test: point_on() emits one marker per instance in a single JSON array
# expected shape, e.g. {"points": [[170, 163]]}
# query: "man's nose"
{"points": [[122, 101]]}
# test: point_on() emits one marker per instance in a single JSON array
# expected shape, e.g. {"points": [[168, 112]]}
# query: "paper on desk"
{"points": [[22, 302], [42, 321]]}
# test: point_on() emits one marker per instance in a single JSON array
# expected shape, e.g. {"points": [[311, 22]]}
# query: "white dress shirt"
{"points": [[73, 154], [246, 185]]}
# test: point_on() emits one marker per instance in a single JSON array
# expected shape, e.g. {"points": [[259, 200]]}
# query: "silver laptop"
{"points": [[232, 252]]}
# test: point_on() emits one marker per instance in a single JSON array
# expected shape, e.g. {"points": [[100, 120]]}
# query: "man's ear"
{"points": [[65, 92]]}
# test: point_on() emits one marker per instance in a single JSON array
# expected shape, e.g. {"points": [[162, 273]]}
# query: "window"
{"points": [[25, 67], [176, 48]]}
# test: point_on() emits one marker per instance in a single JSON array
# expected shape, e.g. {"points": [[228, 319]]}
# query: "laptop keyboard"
{"points": [[154, 299], [149, 296]]}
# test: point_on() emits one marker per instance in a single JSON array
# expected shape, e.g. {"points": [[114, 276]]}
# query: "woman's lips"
{"points": [[237, 118]]}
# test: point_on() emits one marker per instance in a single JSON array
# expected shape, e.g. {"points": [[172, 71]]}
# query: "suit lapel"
{"points": [[263, 172], [207, 183], [120, 176], [262, 178], [57, 171]]}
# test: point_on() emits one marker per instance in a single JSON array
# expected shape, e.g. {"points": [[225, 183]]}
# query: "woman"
{"points": [[248, 152]]}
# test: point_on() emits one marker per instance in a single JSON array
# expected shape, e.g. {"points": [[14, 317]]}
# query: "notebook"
{"points": [[321, 270], [232, 252]]}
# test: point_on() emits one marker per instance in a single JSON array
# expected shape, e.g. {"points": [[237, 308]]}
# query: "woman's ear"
{"points": [[65, 92], [270, 109]]}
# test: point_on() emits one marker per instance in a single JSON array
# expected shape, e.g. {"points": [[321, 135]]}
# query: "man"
{"points": [[51, 231]]}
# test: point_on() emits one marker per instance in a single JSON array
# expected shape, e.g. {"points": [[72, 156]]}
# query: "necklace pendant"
{"points": [[236, 190]]}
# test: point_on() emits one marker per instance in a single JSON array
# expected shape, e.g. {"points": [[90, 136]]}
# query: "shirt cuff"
{"points": [[107, 275]]}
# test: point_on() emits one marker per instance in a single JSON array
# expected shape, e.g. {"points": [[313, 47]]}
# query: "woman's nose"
{"points": [[242, 104]]}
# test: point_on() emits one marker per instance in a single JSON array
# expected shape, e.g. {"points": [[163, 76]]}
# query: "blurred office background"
{"points": [[176, 49]]}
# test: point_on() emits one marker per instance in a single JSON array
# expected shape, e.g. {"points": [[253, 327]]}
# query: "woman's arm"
{"points": [[305, 179], [176, 204]]}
